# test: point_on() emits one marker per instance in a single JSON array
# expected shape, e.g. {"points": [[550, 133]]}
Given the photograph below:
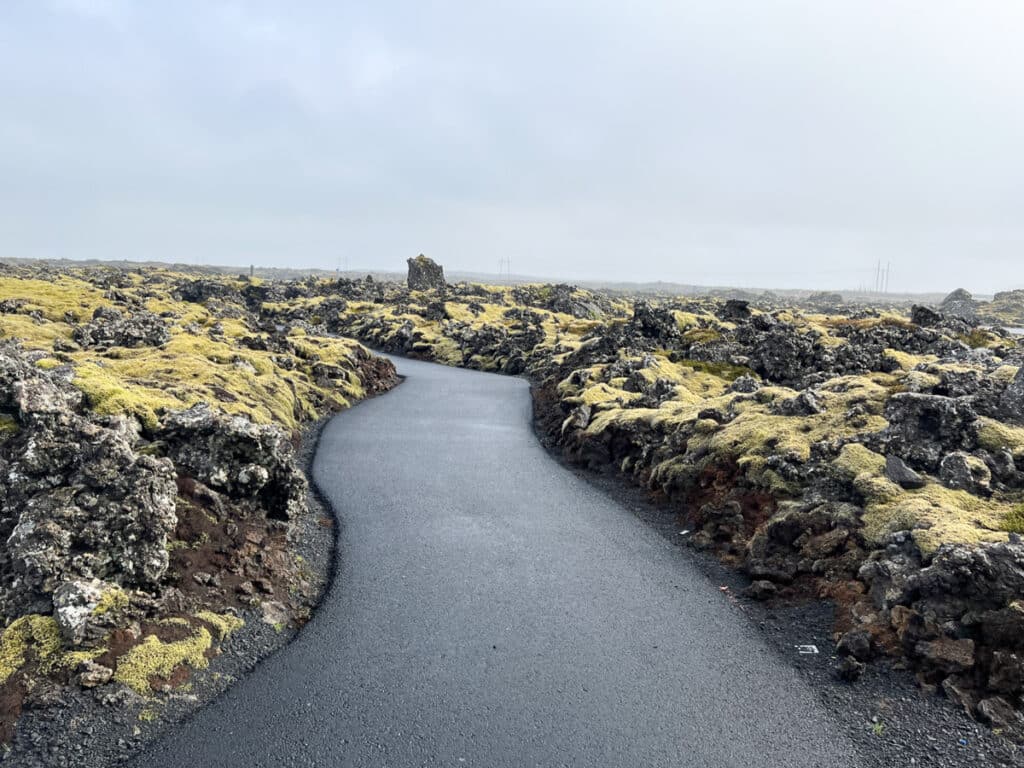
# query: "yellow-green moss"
{"points": [[113, 599], [996, 436], [190, 368], [725, 371], [1005, 373], [56, 299], [919, 381], [29, 635], [1013, 521], [758, 431], [155, 658], [855, 460], [935, 514], [72, 659], [979, 338], [907, 361], [603, 395], [224, 624], [148, 382], [701, 335], [8, 426]]}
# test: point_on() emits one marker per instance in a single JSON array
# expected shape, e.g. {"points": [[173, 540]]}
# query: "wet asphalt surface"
{"points": [[492, 609]]}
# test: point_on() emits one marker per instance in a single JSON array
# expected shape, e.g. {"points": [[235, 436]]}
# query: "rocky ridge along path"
{"points": [[492, 609]]}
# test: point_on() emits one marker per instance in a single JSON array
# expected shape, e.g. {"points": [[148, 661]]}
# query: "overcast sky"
{"points": [[758, 143]]}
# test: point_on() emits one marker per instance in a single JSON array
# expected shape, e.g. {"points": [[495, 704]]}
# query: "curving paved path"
{"points": [[493, 610]]}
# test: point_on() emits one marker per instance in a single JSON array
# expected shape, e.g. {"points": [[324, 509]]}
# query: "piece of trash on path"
{"points": [[962, 742], [684, 533], [806, 650]]}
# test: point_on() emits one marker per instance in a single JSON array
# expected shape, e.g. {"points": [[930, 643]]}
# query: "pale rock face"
{"points": [[960, 304], [80, 503], [961, 471], [74, 603], [93, 675]]}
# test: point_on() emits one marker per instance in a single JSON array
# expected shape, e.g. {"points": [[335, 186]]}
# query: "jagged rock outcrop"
{"points": [[961, 471], [78, 502], [960, 304], [924, 428], [201, 290], [234, 456], [1011, 402], [736, 309], [425, 274], [561, 298], [925, 316], [961, 619], [111, 328], [825, 301], [654, 322]]}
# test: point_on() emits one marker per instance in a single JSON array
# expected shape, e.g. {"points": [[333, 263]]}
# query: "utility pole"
{"points": [[505, 268]]}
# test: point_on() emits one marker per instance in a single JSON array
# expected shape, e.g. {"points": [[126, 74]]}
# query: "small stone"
{"points": [[745, 384], [999, 713], [855, 643], [807, 403], [898, 472], [848, 669], [958, 692], [1006, 672], [947, 654], [961, 471], [762, 589], [92, 674], [924, 316], [274, 613], [75, 606]]}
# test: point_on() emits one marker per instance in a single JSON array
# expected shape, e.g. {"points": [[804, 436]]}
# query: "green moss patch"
{"points": [[155, 659]]}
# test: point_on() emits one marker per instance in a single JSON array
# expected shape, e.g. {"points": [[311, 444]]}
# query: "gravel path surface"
{"points": [[886, 714], [493, 609]]}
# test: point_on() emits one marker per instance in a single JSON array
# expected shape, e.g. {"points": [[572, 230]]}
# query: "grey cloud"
{"points": [[770, 143]]}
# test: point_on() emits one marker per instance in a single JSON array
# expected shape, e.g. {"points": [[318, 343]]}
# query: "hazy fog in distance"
{"points": [[759, 142]]}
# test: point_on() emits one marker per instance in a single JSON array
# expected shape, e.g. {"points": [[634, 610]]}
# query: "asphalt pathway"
{"points": [[490, 609]]}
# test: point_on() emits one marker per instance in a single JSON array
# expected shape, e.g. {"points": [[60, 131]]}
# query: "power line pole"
{"points": [[505, 268]]}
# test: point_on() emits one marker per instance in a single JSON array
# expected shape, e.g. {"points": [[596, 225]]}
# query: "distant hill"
{"points": [[657, 288]]}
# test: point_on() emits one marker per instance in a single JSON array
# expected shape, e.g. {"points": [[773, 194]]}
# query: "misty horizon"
{"points": [[762, 145]]}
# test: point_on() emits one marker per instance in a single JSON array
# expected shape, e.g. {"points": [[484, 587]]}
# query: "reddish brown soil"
{"points": [[229, 554], [12, 697]]}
